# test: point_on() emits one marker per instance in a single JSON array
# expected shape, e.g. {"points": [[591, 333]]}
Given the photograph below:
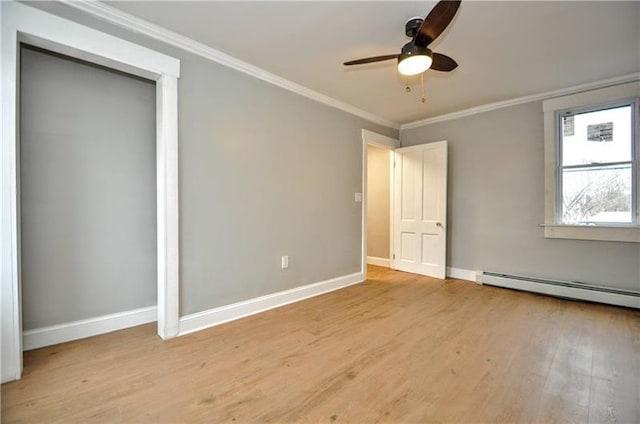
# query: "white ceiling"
{"points": [[504, 49]]}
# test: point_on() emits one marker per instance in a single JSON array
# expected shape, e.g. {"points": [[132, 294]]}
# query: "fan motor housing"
{"points": [[412, 26], [411, 49]]}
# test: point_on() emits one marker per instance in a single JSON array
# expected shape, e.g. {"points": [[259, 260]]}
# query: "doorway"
{"points": [[418, 204], [377, 208], [24, 24], [87, 197], [379, 205]]}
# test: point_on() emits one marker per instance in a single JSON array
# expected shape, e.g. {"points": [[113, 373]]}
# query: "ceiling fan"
{"points": [[415, 56]]}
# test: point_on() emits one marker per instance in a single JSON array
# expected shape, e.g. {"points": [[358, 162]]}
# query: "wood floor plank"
{"points": [[398, 348]]}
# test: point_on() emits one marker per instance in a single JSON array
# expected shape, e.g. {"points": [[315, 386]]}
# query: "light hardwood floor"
{"points": [[398, 348]]}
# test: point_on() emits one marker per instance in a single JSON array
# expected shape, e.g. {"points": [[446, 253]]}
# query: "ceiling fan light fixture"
{"points": [[414, 59], [414, 65]]}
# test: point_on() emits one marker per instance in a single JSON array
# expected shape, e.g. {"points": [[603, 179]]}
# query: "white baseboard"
{"points": [[461, 274], [220, 315], [587, 292], [47, 336], [372, 260]]}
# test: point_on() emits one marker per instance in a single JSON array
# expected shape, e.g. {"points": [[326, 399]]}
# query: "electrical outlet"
{"points": [[358, 197], [285, 262]]}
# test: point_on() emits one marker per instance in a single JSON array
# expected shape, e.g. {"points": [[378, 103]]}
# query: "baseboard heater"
{"points": [[564, 289]]}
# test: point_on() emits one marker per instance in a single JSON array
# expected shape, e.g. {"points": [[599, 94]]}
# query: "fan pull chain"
{"points": [[422, 84], [405, 81]]}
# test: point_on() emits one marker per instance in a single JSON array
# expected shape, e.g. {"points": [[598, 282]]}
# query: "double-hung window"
{"points": [[596, 165], [591, 156]]}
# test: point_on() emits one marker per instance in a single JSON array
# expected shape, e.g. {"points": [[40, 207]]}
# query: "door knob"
{"points": [[438, 224]]}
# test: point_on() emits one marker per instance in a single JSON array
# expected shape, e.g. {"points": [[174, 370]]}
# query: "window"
{"points": [[596, 165], [591, 165]]}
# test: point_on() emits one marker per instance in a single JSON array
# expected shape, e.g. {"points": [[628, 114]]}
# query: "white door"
{"points": [[420, 209]]}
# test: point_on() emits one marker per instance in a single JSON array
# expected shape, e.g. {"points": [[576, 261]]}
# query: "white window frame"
{"points": [[553, 228]]}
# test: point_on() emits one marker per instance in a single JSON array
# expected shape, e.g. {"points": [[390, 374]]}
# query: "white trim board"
{"points": [[47, 336], [522, 100], [461, 274], [372, 260], [201, 320], [24, 23], [588, 293], [378, 140], [135, 24]]}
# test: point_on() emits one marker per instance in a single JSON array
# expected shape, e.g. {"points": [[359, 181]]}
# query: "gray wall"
{"points": [[263, 173], [88, 214], [496, 203], [378, 202]]}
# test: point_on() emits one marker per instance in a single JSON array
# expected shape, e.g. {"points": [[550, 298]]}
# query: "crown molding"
{"points": [[135, 24], [521, 100]]}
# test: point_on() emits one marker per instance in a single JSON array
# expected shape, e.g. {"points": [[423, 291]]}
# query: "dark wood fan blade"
{"points": [[436, 22], [371, 59], [443, 63]]}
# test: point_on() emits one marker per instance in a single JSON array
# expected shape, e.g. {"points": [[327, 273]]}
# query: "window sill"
{"points": [[630, 233]]}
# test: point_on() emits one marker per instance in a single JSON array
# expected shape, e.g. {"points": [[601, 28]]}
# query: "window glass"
{"points": [[597, 194], [601, 136], [596, 166]]}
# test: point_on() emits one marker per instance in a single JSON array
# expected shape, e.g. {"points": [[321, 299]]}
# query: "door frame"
{"points": [[22, 23], [370, 138]]}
